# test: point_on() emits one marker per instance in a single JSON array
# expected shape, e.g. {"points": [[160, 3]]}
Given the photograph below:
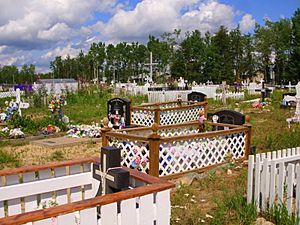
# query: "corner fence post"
{"points": [[104, 130], [205, 106], [157, 115], [248, 136], [154, 142]]}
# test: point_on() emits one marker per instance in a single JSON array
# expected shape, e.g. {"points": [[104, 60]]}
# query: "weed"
{"points": [[58, 155], [280, 216], [8, 160]]}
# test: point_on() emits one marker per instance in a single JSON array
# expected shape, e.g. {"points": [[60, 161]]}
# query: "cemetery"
{"points": [[138, 125], [163, 140]]}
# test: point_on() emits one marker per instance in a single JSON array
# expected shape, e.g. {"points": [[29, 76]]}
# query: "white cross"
{"points": [[21, 105]]}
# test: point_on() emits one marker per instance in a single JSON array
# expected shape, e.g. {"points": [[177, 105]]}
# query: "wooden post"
{"points": [[157, 115], [205, 106], [104, 130], [154, 142], [248, 136]]}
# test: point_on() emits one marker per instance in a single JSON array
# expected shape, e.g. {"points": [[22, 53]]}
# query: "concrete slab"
{"points": [[63, 141]]}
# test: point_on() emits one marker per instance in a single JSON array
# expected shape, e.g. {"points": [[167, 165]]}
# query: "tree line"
{"points": [[273, 49]]}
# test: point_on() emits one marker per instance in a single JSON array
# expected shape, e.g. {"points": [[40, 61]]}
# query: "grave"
{"points": [[288, 100], [118, 112], [265, 92], [60, 142], [227, 117], [21, 105]]}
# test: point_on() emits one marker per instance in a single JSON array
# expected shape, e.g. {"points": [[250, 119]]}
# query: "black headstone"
{"points": [[118, 108], [230, 117], [196, 96]]}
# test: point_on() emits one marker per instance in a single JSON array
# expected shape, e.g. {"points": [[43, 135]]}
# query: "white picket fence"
{"points": [[234, 95], [167, 96], [71, 185], [7, 94], [274, 178]]}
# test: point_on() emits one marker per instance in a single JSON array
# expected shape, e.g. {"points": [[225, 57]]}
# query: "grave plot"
{"points": [[170, 150], [167, 113], [83, 192]]}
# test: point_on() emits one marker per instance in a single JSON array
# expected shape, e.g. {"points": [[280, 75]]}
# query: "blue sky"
{"points": [[34, 31]]}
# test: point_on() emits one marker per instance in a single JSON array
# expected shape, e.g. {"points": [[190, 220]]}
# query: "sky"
{"points": [[35, 31]]}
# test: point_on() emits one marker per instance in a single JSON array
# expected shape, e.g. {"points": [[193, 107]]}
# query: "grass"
{"points": [[8, 160], [279, 215]]}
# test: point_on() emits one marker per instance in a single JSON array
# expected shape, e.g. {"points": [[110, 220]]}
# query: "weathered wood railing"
{"points": [[171, 150], [174, 112], [274, 178], [71, 186]]}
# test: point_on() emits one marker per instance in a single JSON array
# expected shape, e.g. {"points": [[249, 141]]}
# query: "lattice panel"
{"points": [[177, 131], [134, 154], [180, 115], [185, 155], [141, 117]]}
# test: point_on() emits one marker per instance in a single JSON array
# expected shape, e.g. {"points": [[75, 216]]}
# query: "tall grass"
{"points": [[8, 159]]}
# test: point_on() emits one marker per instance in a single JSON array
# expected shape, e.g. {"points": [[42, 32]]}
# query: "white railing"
{"points": [[210, 91], [234, 95], [72, 187], [272, 178]]}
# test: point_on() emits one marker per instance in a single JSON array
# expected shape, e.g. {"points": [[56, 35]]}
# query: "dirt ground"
{"points": [[36, 155]]}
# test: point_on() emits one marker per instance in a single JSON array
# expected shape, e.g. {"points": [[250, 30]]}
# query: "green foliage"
{"points": [[234, 209], [7, 159], [58, 155], [280, 216], [24, 122]]}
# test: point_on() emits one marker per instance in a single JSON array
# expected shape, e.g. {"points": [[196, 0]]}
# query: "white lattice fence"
{"points": [[134, 154], [142, 117], [180, 115], [184, 155], [176, 131]]}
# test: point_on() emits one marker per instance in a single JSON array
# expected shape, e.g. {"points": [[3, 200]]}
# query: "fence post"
{"points": [[248, 136], [104, 130], [205, 106], [157, 115], [154, 142]]}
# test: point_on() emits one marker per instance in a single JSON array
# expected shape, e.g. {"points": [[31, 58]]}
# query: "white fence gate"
{"points": [[275, 178]]}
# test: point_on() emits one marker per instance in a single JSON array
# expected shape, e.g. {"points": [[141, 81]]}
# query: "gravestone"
{"points": [[196, 96], [118, 109], [230, 117], [112, 177]]}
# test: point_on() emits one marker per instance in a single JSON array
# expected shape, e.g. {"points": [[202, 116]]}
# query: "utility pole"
{"points": [[151, 64]]}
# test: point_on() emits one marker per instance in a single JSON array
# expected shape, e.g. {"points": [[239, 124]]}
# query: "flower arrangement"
{"points": [[91, 131], [56, 104], [12, 107]]}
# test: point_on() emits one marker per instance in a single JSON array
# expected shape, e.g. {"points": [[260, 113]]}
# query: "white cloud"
{"points": [[61, 51], [247, 23], [59, 31], [34, 23], [157, 16]]}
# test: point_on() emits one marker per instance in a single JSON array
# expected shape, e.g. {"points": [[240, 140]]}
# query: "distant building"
{"points": [[56, 86]]}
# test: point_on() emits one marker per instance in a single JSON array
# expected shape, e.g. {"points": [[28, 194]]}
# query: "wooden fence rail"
{"points": [[273, 178], [147, 201]]}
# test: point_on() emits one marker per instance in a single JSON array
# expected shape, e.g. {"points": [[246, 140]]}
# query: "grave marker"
{"points": [[21, 105], [265, 92], [119, 112], [110, 172]]}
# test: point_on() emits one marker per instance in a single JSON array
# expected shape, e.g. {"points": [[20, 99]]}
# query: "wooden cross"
{"points": [[263, 91]]}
